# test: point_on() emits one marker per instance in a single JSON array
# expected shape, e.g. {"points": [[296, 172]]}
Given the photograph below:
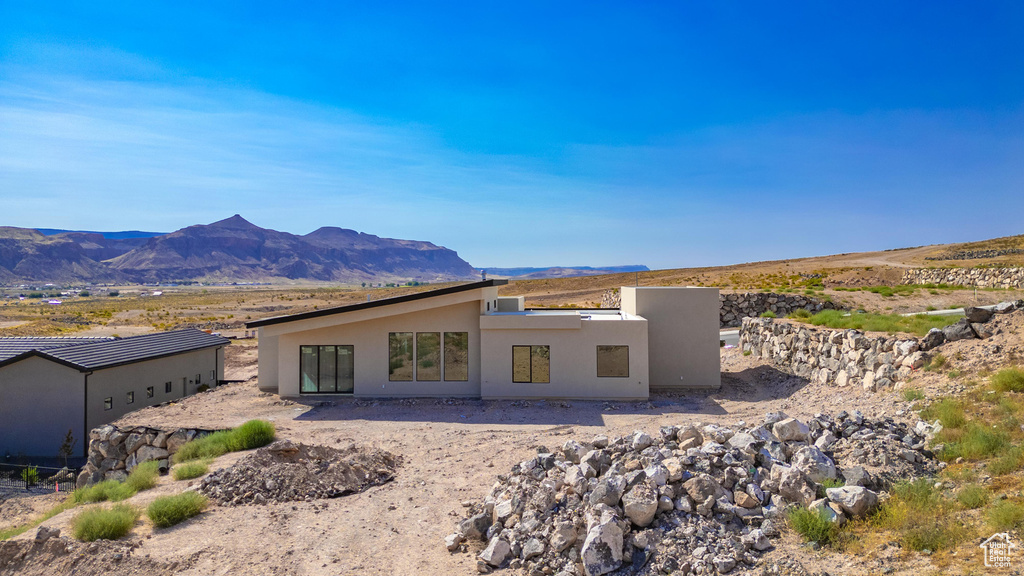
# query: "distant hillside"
{"points": [[229, 250], [127, 234], [560, 271]]}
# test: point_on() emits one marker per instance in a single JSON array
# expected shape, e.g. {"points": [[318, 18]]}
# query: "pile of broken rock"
{"points": [[693, 500]]}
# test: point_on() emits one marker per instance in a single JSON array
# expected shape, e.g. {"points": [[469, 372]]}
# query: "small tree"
{"points": [[67, 447]]}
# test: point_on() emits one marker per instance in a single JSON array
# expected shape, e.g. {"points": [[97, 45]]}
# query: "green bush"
{"points": [[1008, 380], [800, 314], [1005, 515], [143, 476], [171, 510], [919, 324], [1009, 462], [104, 523], [813, 525], [252, 434], [189, 470], [972, 496], [111, 490], [912, 394], [975, 441], [936, 363], [30, 475], [769, 314], [948, 411]]}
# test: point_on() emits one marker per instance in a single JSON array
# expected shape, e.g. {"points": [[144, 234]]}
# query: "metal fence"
{"points": [[37, 478]]}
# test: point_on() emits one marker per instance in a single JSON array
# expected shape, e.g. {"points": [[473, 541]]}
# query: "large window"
{"points": [[326, 369], [428, 356], [531, 364], [613, 361], [456, 356], [400, 366]]}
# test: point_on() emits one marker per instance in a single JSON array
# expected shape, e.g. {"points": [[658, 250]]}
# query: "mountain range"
{"points": [[229, 250]]}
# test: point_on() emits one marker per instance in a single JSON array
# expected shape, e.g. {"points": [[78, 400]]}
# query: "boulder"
{"points": [[641, 440], [790, 429], [563, 536], [496, 552], [608, 491], [640, 504], [915, 360], [475, 527], [983, 330], [856, 501], [977, 315], [45, 533], [452, 541], [532, 548], [935, 337], [1007, 307], [756, 539], [701, 487], [792, 484], [959, 331], [602, 549], [147, 453]]}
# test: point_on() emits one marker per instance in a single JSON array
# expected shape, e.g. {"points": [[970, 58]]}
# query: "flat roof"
{"points": [[605, 314], [108, 353], [376, 303]]}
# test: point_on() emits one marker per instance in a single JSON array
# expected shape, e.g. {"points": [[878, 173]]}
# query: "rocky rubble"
{"points": [[284, 471], [852, 357], [980, 277], [690, 500]]}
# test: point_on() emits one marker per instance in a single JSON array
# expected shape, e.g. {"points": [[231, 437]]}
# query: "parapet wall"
{"points": [[114, 452], [980, 277]]}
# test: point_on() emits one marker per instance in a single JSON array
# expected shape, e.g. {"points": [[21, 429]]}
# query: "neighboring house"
{"points": [[467, 341], [51, 385]]}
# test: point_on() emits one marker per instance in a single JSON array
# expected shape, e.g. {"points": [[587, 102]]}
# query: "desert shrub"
{"points": [[111, 490], [769, 314], [973, 442], [1005, 515], [921, 517], [1009, 462], [1008, 380], [948, 411], [171, 510], [812, 525], [189, 470], [800, 314], [143, 476], [912, 394], [936, 363], [747, 352], [252, 434], [972, 496], [104, 523], [832, 483]]}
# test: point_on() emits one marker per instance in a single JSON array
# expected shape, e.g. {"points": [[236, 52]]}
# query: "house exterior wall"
{"points": [[573, 361], [40, 401], [180, 370], [683, 334], [267, 366], [369, 339]]}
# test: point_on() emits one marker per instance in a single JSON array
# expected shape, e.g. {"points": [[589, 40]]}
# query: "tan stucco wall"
{"points": [[268, 367], [683, 334], [180, 370], [573, 357], [370, 341], [39, 401]]}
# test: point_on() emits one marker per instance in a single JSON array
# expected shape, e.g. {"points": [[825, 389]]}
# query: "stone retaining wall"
{"points": [[735, 307], [839, 357], [980, 277], [114, 452]]}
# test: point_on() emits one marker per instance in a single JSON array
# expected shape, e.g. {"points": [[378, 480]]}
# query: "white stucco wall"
{"points": [[683, 334], [573, 363], [40, 401]]}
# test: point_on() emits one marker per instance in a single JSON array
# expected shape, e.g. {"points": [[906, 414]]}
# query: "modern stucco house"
{"points": [[51, 385], [467, 341]]}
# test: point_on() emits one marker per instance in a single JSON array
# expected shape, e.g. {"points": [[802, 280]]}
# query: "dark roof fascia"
{"points": [[44, 356], [376, 303]]}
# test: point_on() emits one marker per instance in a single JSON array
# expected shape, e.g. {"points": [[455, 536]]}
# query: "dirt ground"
{"points": [[451, 451]]}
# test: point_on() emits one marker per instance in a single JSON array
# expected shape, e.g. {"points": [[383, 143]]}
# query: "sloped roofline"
{"points": [[376, 303]]}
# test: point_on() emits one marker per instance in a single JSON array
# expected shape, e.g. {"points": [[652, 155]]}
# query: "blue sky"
{"points": [[523, 134]]}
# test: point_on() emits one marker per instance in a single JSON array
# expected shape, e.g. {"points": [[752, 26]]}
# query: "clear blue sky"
{"points": [[668, 134]]}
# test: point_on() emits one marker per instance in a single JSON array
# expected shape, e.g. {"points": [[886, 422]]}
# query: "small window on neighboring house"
{"points": [[213, 375], [149, 392], [108, 403], [488, 306], [199, 379], [130, 398], [167, 387], [613, 361]]}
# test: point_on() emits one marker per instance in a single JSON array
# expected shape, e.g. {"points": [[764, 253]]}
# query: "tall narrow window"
{"points": [[531, 364], [613, 361], [400, 364], [456, 356], [130, 398], [428, 356], [167, 387], [149, 392], [326, 369], [108, 403]]}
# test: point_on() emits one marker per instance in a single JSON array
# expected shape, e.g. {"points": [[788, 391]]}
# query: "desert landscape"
{"points": [[443, 456]]}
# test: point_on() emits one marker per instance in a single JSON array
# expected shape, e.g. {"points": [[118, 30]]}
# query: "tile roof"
{"points": [[376, 303], [115, 352], [13, 346]]}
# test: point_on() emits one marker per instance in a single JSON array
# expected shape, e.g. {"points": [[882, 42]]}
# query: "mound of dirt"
{"points": [[63, 555], [285, 471]]}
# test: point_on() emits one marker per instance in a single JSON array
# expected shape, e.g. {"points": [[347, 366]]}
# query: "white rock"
{"points": [[496, 552]]}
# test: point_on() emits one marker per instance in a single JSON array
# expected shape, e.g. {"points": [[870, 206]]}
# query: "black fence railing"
{"points": [[37, 478]]}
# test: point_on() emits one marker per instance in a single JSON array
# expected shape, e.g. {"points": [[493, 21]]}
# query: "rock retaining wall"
{"points": [[980, 277], [114, 452], [736, 307]]}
